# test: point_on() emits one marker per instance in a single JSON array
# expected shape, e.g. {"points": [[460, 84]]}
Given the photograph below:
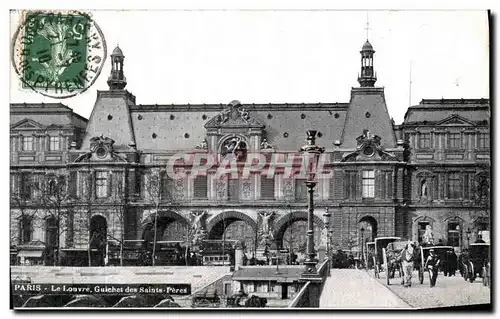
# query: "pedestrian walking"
{"points": [[432, 264], [407, 257]]}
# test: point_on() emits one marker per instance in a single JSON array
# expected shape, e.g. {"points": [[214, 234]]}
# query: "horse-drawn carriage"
{"points": [[476, 263], [380, 255]]}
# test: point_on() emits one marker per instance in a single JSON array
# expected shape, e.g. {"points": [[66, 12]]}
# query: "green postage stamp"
{"points": [[58, 54]]}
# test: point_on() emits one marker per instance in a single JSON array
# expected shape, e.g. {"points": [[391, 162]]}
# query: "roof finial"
{"points": [[367, 26]]}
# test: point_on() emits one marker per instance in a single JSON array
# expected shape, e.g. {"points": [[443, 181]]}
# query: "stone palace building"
{"points": [[103, 179]]}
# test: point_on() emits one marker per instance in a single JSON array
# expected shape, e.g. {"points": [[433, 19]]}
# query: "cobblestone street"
{"points": [[448, 292]]}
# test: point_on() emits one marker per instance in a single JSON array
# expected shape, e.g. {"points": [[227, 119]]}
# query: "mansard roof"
{"points": [[46, 115], [180, 127], [436, 110]]}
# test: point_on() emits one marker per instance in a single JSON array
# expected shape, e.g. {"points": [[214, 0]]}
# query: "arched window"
{"points": [[453, 234], [52, 187], [421, 227], [51, 232]]}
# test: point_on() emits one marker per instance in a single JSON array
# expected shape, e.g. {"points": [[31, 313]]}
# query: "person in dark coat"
{"points": [[432, 264]]}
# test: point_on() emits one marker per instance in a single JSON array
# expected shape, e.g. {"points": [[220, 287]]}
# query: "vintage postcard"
{"points": [[250, 159]]}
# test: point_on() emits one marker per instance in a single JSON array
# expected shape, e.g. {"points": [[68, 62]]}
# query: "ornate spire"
{"points": [[117, 80], [368, 77]]}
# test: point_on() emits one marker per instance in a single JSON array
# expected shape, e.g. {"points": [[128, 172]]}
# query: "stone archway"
{"points": [[169, 226], [366, 232], [370, 226], [233, 225], [287, 222]]}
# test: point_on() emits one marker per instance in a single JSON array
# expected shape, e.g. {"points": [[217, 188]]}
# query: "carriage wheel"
{"points": [[465, 272], [421, 275], [387, 271]]}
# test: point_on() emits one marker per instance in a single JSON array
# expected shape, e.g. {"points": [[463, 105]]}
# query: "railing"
{"points": [[302, 298], [306, 295]]}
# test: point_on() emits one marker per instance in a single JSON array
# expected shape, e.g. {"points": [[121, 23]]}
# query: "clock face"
{"points": [[101, 152], [369, 151]]}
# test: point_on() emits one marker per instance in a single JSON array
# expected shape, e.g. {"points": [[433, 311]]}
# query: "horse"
{"points": [[395, 260]]}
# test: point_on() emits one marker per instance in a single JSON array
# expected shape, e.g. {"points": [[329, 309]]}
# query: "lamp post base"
{"points": [[310, 268]]}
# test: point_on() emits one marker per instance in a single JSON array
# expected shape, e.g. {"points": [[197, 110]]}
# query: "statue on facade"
{"points": [[244, 115], [235, 146], [266, 234], [223, 117], [197, 221], [266, 216], [265, 145], [367, 135], [424, 188], [428, 236], [202, 145]]}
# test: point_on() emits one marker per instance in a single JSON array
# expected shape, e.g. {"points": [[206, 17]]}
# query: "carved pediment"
{"points": [[101, 149], [27, 124], [425, 174], [455, 120], [234, 115], [369, 149]]}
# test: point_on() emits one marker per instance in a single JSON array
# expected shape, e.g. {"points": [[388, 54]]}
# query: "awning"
{"points": [[30, 253]]}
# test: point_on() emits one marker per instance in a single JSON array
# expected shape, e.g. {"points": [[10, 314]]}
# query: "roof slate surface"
{"points": [[436, 110], [182, 127]]}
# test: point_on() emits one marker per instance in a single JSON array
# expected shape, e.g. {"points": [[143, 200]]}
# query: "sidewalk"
{"points": [[355, 289]]}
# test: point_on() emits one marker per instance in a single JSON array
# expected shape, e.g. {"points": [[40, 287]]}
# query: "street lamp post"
{"points": [[326, 220], [311, 153], [362, 246], [468, 232]]}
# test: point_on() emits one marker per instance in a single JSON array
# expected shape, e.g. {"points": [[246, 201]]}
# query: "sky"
{"points": [[260, 56]]}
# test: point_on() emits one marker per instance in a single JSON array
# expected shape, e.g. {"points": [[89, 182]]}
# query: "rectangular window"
{"points": [[166, 186], [266, 187], [200, 187], [25, 230], [300, 189], [101, 184], [421, 230], [483, 140], [453, 234], [424, 140], [54, 143], [227, 288], [454, 186], [27, 143], [51, 232], [233, 190], [454, 140], [369, 184], [25, 187]]}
